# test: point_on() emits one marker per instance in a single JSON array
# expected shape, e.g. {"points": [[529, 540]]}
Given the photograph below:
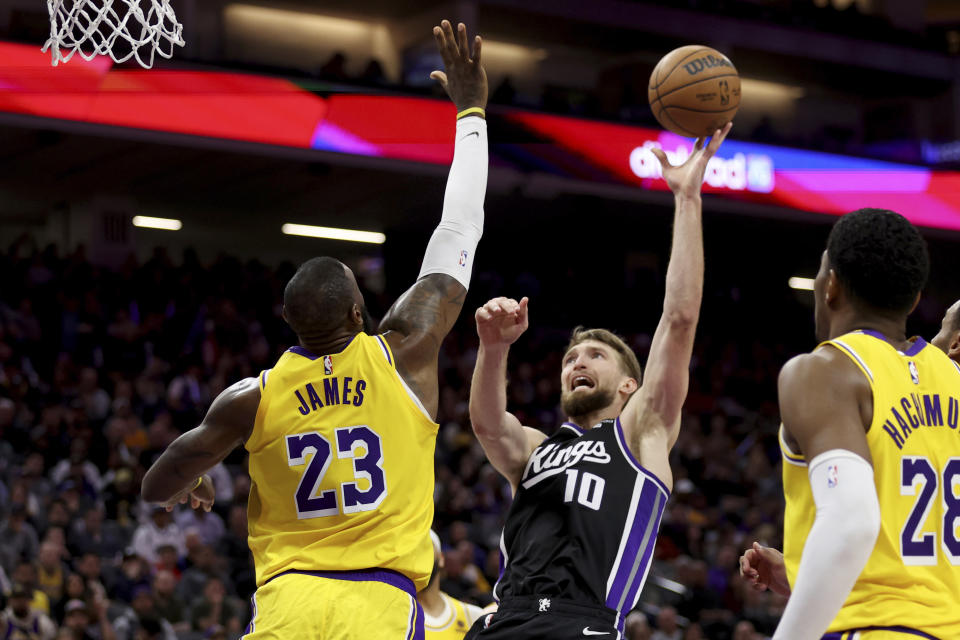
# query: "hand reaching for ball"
{"points": [[686, 179]]}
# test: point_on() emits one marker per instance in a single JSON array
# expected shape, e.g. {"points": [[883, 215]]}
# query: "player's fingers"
{"points": [[764, 553], [698, 144], [477, 45], [438, 37], [482, 315], [493, 307], [462, 43], [718, 137], [450, 44], [662, 157], [440, 77]]}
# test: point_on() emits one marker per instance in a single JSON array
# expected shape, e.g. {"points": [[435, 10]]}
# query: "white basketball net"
{"points": [[120, 29]]}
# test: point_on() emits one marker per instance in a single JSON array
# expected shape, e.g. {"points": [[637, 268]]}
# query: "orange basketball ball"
{"points": [[694, 91]]}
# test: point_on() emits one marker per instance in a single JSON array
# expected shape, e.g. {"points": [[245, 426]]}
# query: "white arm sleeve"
{"points": [[455, 239], [838, 546]]}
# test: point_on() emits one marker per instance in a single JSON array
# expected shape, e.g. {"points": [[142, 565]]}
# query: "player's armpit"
{"points": [[825, 403], [415, 326], [228, 423]]}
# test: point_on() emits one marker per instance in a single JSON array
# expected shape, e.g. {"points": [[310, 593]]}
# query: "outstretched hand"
{"points": [[763, 568], [501, 321], [465, 81], [686, 179]]}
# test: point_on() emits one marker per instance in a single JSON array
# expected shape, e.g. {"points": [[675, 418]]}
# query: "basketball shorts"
{"points": [[336, 605], [523, 618], [880, 633]]}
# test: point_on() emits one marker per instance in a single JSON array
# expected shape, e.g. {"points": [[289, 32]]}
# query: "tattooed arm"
{"points": [[416, 325], [228, 423]]}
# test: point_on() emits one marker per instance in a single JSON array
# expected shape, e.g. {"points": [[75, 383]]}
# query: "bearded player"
{"points": [[341, 431], [580, 533]]}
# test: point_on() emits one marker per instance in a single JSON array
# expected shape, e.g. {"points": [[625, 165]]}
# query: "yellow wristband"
{"points": [[466, 112], [199, 482]]}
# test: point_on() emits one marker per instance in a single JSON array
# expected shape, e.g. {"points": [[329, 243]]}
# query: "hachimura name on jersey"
{"points": [[912, 579], [341, 464]]}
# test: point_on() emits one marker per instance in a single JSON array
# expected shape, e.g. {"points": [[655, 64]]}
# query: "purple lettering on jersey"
{"points": [[331, 391], [894, 434], [303, 408], [932, 410], [358, 392], [904, 427], [314, 397]]}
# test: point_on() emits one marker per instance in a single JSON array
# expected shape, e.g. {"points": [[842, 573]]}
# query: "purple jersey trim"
{"points": [[573, 426], [386, 576], [310, 355], [632, 460], [917, 346], [847, 635], [386, 349]]}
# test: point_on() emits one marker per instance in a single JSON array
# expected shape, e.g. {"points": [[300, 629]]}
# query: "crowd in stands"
{"points": [[100, 369]]}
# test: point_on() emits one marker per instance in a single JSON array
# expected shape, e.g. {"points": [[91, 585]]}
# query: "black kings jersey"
{"points": [[583, 523]]}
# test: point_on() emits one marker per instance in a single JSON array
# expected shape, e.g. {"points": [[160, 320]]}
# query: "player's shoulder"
{"points": [[824, 362], [241, 391], [236, 406]]}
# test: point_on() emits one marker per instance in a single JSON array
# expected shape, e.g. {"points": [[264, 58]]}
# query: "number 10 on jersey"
{"points": [[591, 486]]}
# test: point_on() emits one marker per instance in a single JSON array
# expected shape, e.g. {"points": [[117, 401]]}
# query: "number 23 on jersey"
{"points": [[364, 492]]}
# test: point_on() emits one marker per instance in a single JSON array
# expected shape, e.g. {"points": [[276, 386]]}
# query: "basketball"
{"points": [[694, 90]]}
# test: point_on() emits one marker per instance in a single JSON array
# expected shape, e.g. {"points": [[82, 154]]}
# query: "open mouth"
{"points": [[581, 381]]}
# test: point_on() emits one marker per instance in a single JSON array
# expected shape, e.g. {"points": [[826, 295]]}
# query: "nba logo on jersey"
{"points": [[914, 374], [328, 365], [833, 476], [463, 258]]}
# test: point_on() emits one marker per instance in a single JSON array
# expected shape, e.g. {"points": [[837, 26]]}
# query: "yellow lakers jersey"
{"points": [[912, 579], [341, 464], [453, 623]]}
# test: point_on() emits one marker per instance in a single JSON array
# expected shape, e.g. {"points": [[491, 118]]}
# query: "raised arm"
{"points": [[421, 318], [826, 404], [179, 472], [507, 443], [656, 406]]}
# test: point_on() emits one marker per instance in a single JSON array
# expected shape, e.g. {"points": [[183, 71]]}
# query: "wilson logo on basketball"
{"points": [[707, 62]]}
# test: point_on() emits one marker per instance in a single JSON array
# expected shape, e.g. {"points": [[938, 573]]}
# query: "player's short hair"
{"points": [[880, 258], [628, 359], [318, 297], [956, 320]]}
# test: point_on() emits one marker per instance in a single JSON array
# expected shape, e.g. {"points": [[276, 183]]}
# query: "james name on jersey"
{"points": [[334, 393]]}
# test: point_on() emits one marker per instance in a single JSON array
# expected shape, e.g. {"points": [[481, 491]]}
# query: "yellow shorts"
{"points": [[880, 633], [336, 605]]}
